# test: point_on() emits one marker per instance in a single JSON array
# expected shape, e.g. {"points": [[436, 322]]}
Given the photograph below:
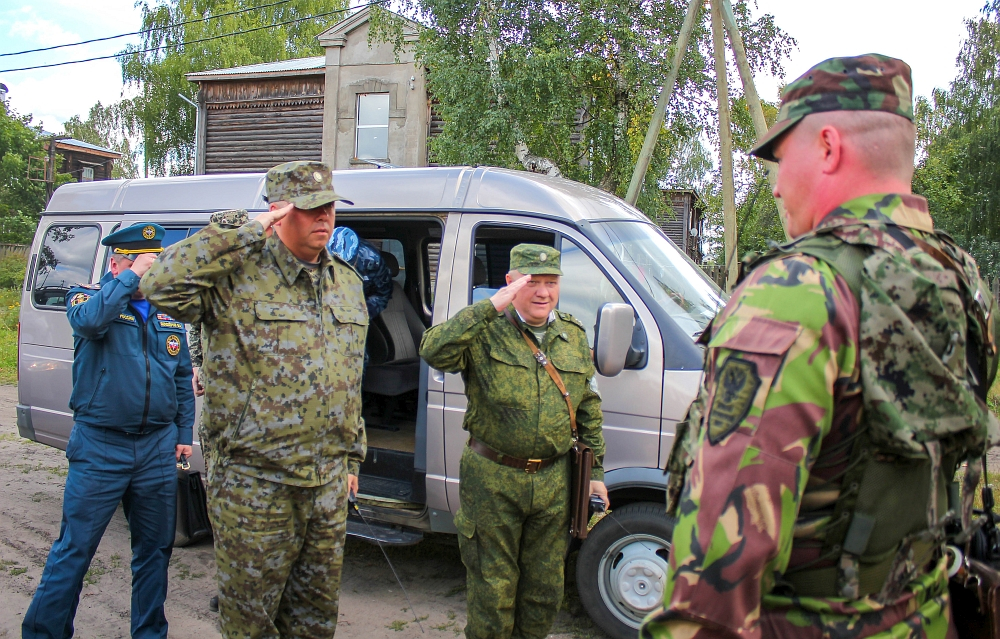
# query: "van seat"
{"points": [[400, 371]]}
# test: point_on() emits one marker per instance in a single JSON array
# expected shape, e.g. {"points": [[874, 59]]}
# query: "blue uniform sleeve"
{"points": [[91, 317], [377, 278], [185, 396]]}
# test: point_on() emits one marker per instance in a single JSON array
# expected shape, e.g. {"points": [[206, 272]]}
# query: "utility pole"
{"points": [[723, 22], [726, 147]]}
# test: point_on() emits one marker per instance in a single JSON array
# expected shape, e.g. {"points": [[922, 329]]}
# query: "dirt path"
{"points": [[372, 607]]}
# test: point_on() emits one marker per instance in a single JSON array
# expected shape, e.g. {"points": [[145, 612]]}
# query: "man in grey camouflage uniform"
{"points": [[285, 324], [231, 219]]}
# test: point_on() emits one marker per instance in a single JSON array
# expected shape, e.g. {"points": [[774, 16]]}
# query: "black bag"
{"points": [[192, 509], [975, 588]]}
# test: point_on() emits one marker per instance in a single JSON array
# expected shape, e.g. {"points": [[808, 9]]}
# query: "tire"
{"points": [[621, 575]]}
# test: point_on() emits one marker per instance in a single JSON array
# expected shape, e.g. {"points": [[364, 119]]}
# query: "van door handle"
{"points": [[437, 376]]}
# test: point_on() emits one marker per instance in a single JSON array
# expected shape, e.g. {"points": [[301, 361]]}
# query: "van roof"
{"points": [[405, 189]]}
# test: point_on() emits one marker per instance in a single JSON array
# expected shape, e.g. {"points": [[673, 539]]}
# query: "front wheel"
{"points": [[622, 567]]}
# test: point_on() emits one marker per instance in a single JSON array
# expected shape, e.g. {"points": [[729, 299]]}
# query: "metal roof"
{"points": [[403, 190], [283, 67], [85, 145]]}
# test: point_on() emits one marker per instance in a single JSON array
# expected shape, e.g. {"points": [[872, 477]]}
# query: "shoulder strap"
{"points": [[550, 369], [846, 259]]}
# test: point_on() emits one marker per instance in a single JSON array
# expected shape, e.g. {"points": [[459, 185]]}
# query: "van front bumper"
{"points": [[24, 427]]}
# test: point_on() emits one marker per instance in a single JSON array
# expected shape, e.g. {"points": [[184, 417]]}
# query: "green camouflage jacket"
{"points": [[514, 406], [282, 371], [782, 389]]}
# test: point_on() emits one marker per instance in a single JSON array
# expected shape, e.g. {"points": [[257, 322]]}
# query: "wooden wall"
{"points": [[254, 124], [74, 161]]}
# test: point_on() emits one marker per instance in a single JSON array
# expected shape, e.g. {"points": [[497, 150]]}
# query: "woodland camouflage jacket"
{"points": [[514, 406], [782, 389], [284, 351]]}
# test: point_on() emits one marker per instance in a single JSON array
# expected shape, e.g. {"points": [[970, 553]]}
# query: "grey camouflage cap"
{"points": [[230, 217], [304, 183]]}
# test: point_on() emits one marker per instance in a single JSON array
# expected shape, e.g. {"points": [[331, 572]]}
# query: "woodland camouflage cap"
{"points": [[869, 82], [535, 259], [305, 184]]}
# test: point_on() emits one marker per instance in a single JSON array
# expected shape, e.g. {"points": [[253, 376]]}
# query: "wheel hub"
{"points": [[634, 577], [640, 583]]}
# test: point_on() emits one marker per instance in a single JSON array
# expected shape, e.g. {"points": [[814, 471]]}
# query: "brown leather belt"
{"points": [[530, 466]]}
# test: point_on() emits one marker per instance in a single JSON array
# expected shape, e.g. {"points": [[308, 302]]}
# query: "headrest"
{"points": [[391, 261], [479, 275]]}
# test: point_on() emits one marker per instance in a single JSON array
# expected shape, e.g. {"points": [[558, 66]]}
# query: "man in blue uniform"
{"points": [[133, 411]]}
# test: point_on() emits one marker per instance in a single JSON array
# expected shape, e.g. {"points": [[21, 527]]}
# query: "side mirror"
{"points": [[612, 338]]}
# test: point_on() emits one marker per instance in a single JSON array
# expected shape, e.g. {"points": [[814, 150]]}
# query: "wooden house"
{"points": [[687, 224]]}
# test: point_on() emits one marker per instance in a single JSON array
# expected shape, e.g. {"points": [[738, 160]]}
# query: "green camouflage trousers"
{"points": [[513, 535], [279, 550]]}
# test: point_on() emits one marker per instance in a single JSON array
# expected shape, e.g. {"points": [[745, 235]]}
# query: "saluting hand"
{"points": [[267, 219], [502, 298], [142, 263]]}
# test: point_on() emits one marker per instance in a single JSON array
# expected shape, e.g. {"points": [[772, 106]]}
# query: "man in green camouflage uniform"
{"points": [[514, 518], [286, 326], [809, 479]]}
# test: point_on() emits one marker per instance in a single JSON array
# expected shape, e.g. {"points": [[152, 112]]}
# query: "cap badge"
{"points": [[149, 232], [173, 345], [318, 176], [542, 257]]}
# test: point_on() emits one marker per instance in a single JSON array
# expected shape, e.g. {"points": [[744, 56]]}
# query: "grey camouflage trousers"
{"points": [[279, 550]]}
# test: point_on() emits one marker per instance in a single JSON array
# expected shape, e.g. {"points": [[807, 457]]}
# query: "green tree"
{"points": [[166, 123], [21, 199], [107, 127], [959, 142], [575, 83]]}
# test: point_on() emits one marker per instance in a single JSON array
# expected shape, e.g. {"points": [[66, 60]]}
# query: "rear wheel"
{"points": [[622, 567]]}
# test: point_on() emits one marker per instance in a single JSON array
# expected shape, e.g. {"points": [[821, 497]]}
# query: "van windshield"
{"points": [[675, 282]]}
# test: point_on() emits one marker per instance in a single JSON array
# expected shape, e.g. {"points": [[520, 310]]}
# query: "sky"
{"points": [[925, 34]]}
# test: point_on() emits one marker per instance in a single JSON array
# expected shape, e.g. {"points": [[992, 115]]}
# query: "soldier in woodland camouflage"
{"points": [[286, 326], [844, 385], [513, 522]]}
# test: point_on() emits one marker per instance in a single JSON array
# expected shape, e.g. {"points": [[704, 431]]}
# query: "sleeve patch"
{"points": [[736, 385], [764, 336], [79, 298]]}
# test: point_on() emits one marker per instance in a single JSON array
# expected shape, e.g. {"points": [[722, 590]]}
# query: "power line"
{"points": [[181, 44], [141, 31]]}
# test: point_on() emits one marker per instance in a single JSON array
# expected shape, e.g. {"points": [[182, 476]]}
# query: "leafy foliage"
{"points": [[959, 142], [21, 199], [579, 80], [164, 121], [107, 126]]}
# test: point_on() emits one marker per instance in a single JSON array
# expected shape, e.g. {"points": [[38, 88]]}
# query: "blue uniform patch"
{"points": [[125, 317], [79, 298]]}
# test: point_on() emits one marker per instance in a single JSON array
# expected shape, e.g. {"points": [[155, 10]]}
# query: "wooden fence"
{"points": [[20, 250]]}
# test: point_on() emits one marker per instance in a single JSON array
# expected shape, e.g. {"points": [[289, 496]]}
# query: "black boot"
{"points": [[213, 604]]}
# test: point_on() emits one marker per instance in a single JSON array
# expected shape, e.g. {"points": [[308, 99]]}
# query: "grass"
{"points": [[10, 310]]}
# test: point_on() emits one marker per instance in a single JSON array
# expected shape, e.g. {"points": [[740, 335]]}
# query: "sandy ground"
{"points": [[371, 604]]}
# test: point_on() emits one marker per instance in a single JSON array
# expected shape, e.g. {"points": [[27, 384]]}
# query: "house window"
{"points": [[373, 126], [87, 174]]}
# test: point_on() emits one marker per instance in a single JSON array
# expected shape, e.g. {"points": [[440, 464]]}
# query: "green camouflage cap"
{"points": [[534, 259], [869, 82], [230, 217], [305, 184]]}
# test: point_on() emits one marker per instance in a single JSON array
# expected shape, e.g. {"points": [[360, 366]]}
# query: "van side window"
{"points": [[584, 287], [491, 256], [65, 259]]}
